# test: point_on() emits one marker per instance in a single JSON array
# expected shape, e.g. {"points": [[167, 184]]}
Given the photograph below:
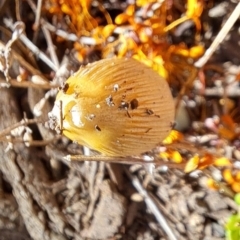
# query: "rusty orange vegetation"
{"points": [[145, 39]]}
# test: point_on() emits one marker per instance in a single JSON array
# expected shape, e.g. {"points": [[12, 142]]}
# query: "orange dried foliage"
{"points": [[212, 184], [238, 77], [194, 11], [77, 11], [172, 155], [141, 33], [127, 17], [202, 162], [227, 129], [192, 164], [152, 47], [232, 178], [174, 136], [143, 3], [222, 162]]}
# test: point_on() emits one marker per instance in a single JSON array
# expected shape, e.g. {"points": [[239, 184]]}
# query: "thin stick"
{"points": [[122, 160], [32, 143], [24, 122], [69, 36], [219, 91], [27, 84], [152, 206], [38, 14], [31, 46], [220, 37], [17, 10], [24, 63], [51, 46]]}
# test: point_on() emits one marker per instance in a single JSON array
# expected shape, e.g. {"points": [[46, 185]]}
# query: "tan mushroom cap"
{"points": [[118, 107]]}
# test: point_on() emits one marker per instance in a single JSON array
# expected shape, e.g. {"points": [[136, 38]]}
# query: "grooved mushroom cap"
{"points": [[118, 107]]}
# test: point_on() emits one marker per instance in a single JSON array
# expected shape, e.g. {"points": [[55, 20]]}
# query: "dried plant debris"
{"points": [[170, 166]]}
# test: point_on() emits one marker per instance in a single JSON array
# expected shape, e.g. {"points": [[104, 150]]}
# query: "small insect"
{"points": [[119, 107]]}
